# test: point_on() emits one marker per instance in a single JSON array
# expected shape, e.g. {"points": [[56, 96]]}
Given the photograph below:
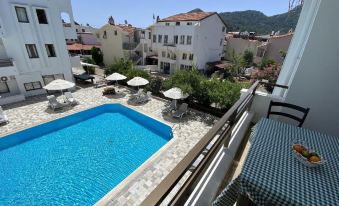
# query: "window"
{"points": [[182, 39], [50, 50], [32, 51], [165, 39], [115, 32], [177, 23], [149, 35], [21, 14], [167, 24], [154, 38], [4, 88], [184, 56], [189, 40], [42, 18], [189, 23], [83, 30], [221, 40], [32, 86], [48, 79], [174, 56], [168, 55], [77, 30], [176, 39], [59, 76], [159, 38], [191, 57], [105, 35], [183, 66], [223, 29], [163, 54]]}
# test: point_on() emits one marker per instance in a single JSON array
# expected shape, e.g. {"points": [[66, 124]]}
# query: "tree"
{"points": [[247, 59], [97, 56], [236, 61], [121, 66]]}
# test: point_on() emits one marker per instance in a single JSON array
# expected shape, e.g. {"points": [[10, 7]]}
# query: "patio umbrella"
{"points": [[88, 65], [115, 77], [137, 81], [59, 85], [175, 93]]}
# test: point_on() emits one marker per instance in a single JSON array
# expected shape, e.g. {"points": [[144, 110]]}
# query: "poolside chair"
{"points": [[137, 96], [3, 117], [53, 103], [143, 98], [181, 111], [170, 107], [70, 99]]}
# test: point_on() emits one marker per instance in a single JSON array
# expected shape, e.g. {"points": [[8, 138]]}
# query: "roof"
{"points": [[77, 46], [220, 64], [196, 16], [126, 28]]}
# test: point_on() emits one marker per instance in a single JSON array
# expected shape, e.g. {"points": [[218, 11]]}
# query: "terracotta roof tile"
{"points": [[77, 46], [126, 28], [197, 16]]}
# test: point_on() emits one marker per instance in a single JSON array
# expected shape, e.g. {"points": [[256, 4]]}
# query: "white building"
{"points": [[188, 39], [32, 46]]}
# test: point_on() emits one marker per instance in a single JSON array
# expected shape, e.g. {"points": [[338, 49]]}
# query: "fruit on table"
{"points": [[298, 148], [305, 153], [314, 158]]}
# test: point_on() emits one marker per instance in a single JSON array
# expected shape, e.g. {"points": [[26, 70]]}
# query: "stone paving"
{"points": [[134, 189]]}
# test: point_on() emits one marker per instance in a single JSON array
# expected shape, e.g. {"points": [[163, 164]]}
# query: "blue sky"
{"points": [[140, 12]]}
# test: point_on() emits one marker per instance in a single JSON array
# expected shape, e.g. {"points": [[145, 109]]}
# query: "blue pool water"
{"points": [[76, 160]]}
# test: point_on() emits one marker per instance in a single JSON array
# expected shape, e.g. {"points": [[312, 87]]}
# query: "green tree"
{"points": [[236, 63], [121, 66], [155, 85], [247, 59], [97, 56]]}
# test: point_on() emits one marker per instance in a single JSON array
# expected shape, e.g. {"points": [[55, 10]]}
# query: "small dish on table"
{"points": [[307, 156]]}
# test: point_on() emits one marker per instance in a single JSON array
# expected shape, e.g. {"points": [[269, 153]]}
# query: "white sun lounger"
{"points": [[3, 117], [181, 111], [54, 104], [70, 99]]}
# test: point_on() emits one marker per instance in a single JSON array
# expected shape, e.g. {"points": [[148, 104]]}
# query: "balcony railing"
{"points": [[221, 131], [6, 63], [172, 44]]}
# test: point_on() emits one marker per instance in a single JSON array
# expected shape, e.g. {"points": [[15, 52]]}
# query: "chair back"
{"points": [[68, 95], [183, 107], [300, 120], [149, 94], [52, 99]]}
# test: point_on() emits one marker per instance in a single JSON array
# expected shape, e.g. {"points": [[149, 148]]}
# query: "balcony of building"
{"points": [[228, 149]]}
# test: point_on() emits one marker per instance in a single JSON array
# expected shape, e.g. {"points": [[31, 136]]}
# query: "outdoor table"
{"points": [[271, 174]]}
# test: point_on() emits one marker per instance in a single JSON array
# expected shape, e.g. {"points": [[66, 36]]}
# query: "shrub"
{"points": [[121, 66], [131, 73], [89, 70], [88, 60], [155, 85], [247, 59], [97, 56]]}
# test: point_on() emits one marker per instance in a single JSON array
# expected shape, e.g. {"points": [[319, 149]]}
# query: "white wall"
{"points": [[18, 34], [206, 37], [312, 70]]}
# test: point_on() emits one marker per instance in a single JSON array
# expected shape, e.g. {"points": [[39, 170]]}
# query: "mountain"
{"points": [[195, 10], [260, 23]]}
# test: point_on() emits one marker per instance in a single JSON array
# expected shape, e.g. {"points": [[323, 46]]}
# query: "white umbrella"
{"points": [[137, 81], [88, 65], [59, 84], [115, 77], [175, 93]]}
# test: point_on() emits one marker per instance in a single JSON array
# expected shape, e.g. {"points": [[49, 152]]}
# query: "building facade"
{"points": [[32, 46], [187, 40], [119, 41]]}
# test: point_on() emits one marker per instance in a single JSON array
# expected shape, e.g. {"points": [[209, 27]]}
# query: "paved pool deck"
{"points": [[135, 188]]}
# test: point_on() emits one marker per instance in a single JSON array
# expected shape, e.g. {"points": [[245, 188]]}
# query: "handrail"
{"points": [[224, 125]]}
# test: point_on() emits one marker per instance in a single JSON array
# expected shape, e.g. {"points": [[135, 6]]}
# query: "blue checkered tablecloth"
{"points": [[273, 176]]}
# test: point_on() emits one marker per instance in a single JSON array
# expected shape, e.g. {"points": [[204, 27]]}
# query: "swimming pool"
{"points": [[77, 159]]}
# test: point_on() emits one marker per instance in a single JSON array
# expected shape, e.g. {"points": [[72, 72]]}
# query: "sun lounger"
{"points": [[181, 111], [170, 107], [3, 117], [83, 77], [70, 99], [54, 104]]}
